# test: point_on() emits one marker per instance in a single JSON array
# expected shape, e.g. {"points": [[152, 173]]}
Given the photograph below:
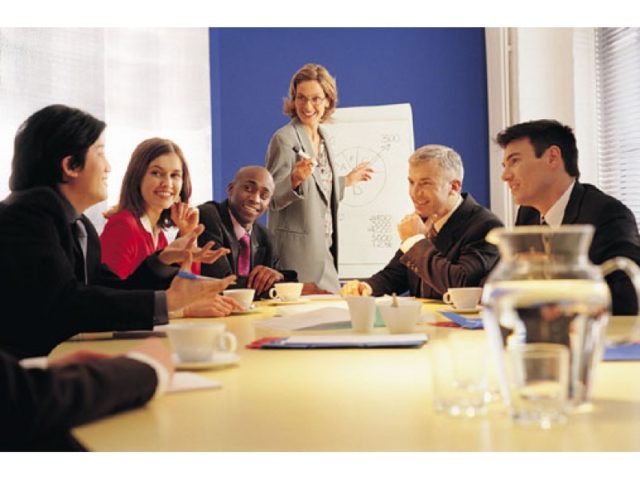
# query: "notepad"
{"points": [[343, 341]]}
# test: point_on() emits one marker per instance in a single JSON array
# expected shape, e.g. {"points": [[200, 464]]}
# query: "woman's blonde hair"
{"points": [[312, 71]]}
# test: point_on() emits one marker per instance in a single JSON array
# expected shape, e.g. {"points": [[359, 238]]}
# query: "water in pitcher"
{"points": [[569, 312]]}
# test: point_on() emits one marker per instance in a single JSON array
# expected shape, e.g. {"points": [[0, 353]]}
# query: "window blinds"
{"points": [[618, 105]]}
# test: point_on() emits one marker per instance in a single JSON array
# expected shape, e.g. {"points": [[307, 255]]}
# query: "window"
{"points": [[142, 82], [618, 113]]}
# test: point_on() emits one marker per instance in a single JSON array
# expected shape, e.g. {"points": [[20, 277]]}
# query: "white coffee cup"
{"points": [[401, 318], [463, 298], [363, 313], [286, 292], [244, 296], [200, 341]]}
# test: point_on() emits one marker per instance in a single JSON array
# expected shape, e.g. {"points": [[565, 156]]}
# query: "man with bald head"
{"points": [[232, 224]]}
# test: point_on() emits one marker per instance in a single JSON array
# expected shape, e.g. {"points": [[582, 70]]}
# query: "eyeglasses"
{"points": [[315, 101]]}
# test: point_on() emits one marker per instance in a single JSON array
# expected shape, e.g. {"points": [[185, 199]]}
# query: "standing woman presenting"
{"points": [[304, 207]]}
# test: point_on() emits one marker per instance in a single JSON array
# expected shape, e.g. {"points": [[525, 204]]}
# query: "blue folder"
{"points": [[468, 323], [622, 352], [353, 341]]}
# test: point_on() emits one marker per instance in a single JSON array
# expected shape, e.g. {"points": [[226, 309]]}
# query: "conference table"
{"points": [[350, 400]]}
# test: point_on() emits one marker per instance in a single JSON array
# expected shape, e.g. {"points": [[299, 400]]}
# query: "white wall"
{"points": [[144, 82]]}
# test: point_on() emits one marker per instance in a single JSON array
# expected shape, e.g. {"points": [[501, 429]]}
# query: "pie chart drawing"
{"points": [[362, 193]]}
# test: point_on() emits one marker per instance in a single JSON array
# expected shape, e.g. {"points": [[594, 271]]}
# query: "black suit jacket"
{"points": [[219, 228], [39, 406], [616, 234], [458, 257], [43, 300]]}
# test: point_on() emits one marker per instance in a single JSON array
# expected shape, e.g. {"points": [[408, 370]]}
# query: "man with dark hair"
{"points": [[540, 166], [443, 241], [53, 285], [234, 221]]}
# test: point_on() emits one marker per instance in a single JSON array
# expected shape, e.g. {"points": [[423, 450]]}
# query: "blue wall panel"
{"points": [[440, 71]]}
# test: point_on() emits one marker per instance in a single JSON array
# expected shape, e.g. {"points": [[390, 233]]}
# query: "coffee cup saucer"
{"points": [[221, 359], [248, 311], [475, 309], [277, 301]]}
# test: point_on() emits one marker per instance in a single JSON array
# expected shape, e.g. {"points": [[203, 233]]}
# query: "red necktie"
{"points": [[244, 256]]}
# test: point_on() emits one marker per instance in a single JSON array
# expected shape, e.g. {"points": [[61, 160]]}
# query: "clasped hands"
{"points": [[412, 225]]}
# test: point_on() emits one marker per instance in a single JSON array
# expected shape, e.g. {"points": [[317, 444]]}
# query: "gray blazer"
{"points": [[295, 217]]}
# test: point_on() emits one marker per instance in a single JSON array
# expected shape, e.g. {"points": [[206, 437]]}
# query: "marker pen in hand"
{"points": [[302, 154]]}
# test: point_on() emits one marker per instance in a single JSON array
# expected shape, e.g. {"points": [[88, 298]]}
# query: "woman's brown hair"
{"points": [[145, 153]]}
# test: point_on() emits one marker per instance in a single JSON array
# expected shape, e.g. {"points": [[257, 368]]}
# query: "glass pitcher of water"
{"points": [[545, 290]]}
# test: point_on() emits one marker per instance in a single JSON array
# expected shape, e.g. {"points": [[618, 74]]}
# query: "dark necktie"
{"points": [[244, 256], [80, 234], [432, 234], [543, 221]]}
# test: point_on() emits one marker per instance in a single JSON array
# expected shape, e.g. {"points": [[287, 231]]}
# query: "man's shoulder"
{"points": [[479, 213], [595, 195], [215, 218], [595, 202], [211, 212], [44, 200], [32, 195], [210, 205], [33, 213], [261, 230]]}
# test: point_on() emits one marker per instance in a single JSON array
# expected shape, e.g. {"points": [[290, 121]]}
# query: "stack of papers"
{"points": [[315, 318]]}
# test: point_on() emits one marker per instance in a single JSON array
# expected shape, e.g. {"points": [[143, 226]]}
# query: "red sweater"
{"points": [[126, 243]]}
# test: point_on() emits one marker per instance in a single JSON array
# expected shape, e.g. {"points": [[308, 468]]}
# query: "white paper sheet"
{"points": [[310, 316], [368, 214], [183, 381]]}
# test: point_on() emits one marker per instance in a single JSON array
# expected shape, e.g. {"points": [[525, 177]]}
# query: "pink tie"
{"points": [[244, 256]]}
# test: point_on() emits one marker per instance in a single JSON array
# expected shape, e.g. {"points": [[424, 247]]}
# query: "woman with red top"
{"points": [[154, 196]]}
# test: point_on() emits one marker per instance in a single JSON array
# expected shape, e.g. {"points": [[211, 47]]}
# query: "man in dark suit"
{"points": [[53, 285], [540, 166], [39, 405], [249, 194], [443, 242]]}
